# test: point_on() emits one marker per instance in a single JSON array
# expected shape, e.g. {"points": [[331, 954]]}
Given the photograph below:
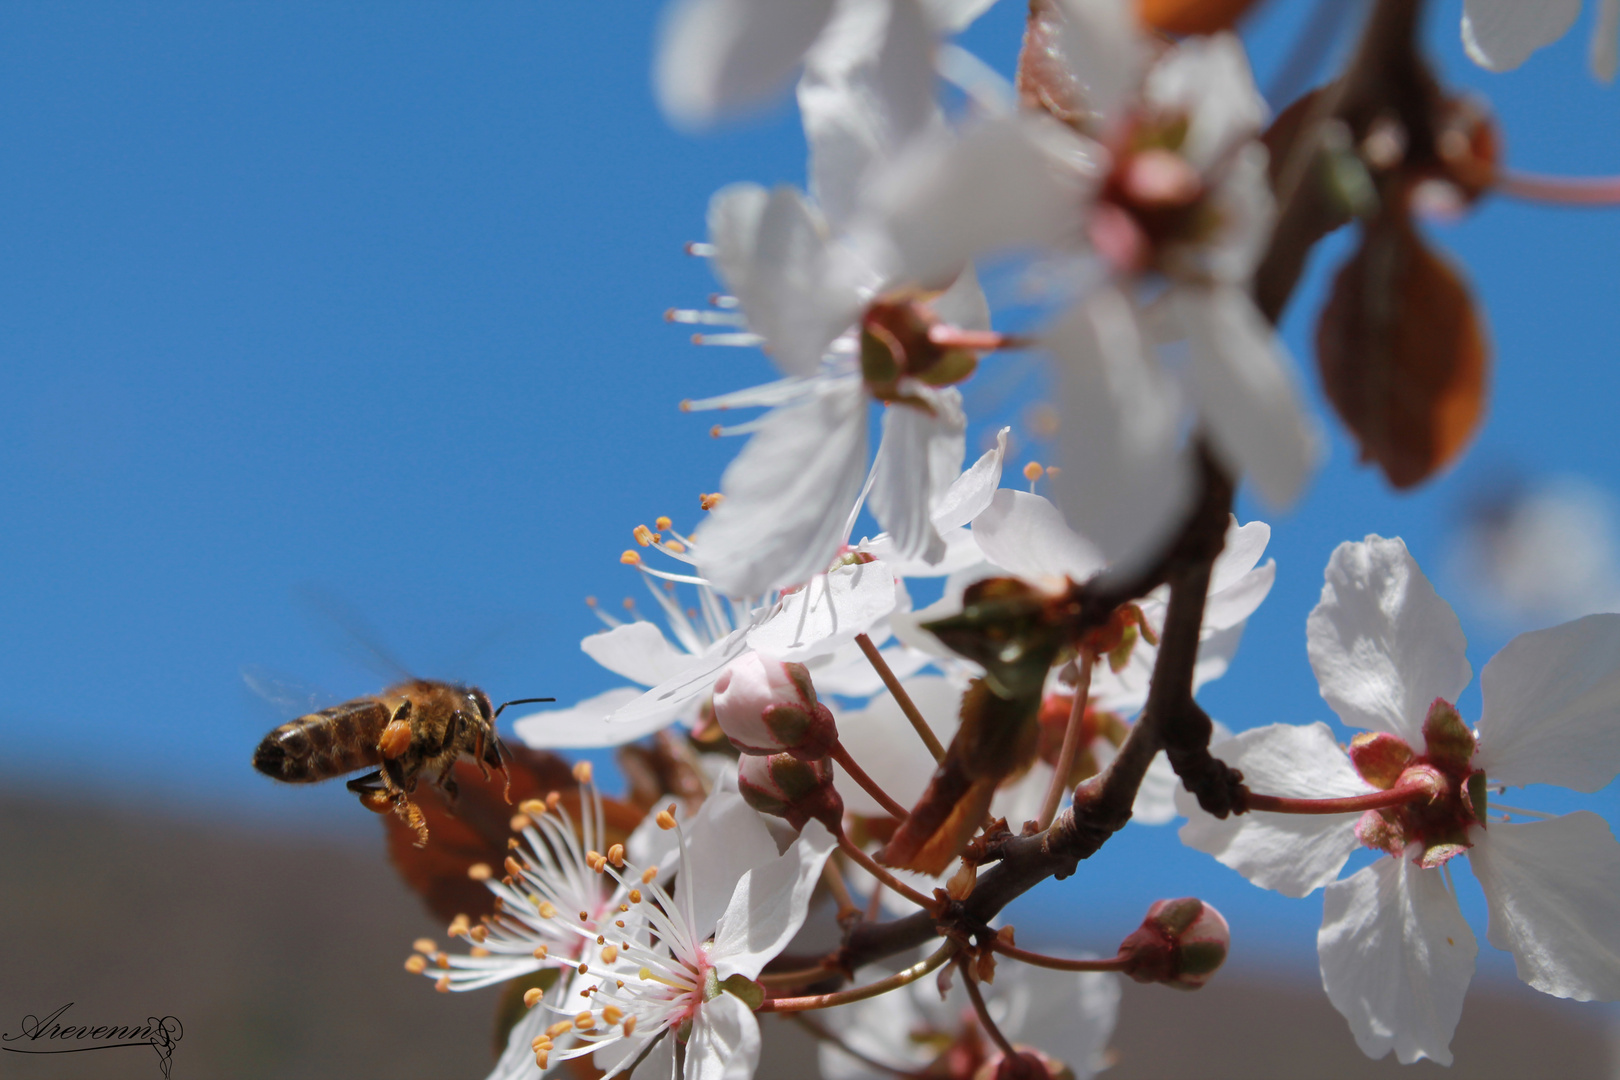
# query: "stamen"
{"points": [[701, 250], [740, 340], [532, 996], [519, 822], [705, 318], [443, 985], [425, 945], [629, 1024], [540, 951], [459, 925], [558, 1028], [616, 855], [611, 1015], [547, 909], [478, 933], [416, 963], [480, 871], [630, 558], [582, 771], [610, 953], [710, 501]]}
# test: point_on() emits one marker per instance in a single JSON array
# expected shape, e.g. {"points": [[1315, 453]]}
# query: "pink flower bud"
{"points": [[1181, 943], [766, 706], [788, 787]]}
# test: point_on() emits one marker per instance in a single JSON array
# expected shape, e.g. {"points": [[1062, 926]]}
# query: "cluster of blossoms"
{"points": [[839, 742]]}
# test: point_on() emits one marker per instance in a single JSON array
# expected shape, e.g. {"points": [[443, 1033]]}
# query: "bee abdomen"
{"points": [[325, 744]]}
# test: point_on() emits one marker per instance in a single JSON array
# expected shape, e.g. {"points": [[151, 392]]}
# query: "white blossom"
{"points": [[1501, 34]]}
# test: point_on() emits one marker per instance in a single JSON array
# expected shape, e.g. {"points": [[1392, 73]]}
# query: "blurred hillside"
{"points": [[281, 956]]}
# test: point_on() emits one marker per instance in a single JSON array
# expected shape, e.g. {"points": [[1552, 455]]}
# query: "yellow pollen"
{"points": [[479, 871], [478, 933], [478, 951], [532, 996], [532, 806], [514, 867], [600, 940], [619, 923], [709, 502], [519, 822], [630, 558], [558, 1028], [616, 855], [629, 1024], [416, 964], [610, 953], [645, 536], [1033, 471], [443, 985], [582, 771], [584, 967], [584, 916], [675, 546], [540, 952], [635, 896], [611, 1015], [548, 910], [425, 945], [662, 523]]}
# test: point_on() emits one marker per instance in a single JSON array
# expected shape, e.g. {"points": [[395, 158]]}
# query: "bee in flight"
{"points": [[411, 728]]}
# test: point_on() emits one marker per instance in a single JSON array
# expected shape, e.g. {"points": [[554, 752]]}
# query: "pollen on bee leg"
{"points": [[532, 996], [416, 963], [395, 740]]}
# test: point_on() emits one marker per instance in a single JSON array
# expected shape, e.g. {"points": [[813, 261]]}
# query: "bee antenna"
{"points": [[524, 701]]}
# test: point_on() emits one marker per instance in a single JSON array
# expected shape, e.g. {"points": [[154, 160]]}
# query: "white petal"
{"points": [[1208, 78], [725, 840], [971, 492], [771, 250], [883, 742], [724, 1043], [1396, 959], [1240, 553], [1552, 707], [867, 90], [1234, 604], [1554, 892], [953, 16], [1104, 49], [666, 701], [769, 905], [880, 1029], [848, 673], [639, 651], [1067, 1015], [1125, 480], [961, 552], [1291, 853], [1004, 184], [589, 723], [921, 454], [718, 56], [964, 303], [1501, 34], [787, 495], [1156, 799], [828, 612], [1382, 642], [1246, 390], [1026, 535]]}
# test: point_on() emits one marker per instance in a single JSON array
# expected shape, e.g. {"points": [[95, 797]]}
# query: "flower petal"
{"points": [[1125, 479], [883, 742], [1554, 892], [1247, 390], [1105, 50], [1067, 1015], [719, 56], [1382, 642], [1026, 535], [971, 492], [725, 1041], [1208, 79], [1501, 34], [918, 459], [725, 840], [589, 723], [1240, 553], [787, 495], [638, 650], [1396, 956], [666, 700], [1552, 707], [1291, 853], [769, 905], [828, 612]]}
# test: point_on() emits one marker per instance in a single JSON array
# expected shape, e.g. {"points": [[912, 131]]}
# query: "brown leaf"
{"points": [[1044, 79], [1192, 16], [476, 830], [1402, 352], [998, 738], [1312, 211]]}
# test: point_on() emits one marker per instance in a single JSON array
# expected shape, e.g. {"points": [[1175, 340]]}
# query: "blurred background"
{"points": [[320, 318]]}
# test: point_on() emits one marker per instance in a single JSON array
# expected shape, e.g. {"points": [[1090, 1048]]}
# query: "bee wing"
{"points": [[362, 640], [289, 698]]}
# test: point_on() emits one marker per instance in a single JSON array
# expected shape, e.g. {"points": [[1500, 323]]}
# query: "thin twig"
{"points": [[1071, 742], [903, 699], [861, 993], [871, 866], [841, 755], [1057, 963], [972, 986]]}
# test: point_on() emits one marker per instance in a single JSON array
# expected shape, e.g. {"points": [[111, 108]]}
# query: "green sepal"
{"points": [[746, 990]]}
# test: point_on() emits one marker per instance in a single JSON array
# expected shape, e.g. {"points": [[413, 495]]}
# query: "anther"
{"points": [[625, 907], [547, 909], [1034, 471], [584, 1021], [558, 1028], [666, 818], [595, 860], [584, 967], [416, 963], [616, 855], [635, 896], [610, 953], [519, 822], [441, 961], [645, 536], [675, 546], [584, 916], [600, 940], [479, 871], [629, 1024], [478, 952], [619, 923], [663, 523], [425, 945], [648, 874], [514, 867], [532, 996], [540, 952], [459, 926], [511, 843], [532, 806], [552, 799], [540, 1060], [582, 771], [611, 1015], [630, 558], [478, 933], [710, 501], [443, 985]]}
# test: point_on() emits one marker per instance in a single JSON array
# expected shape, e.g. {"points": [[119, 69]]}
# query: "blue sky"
{"points": [[365, 301]]}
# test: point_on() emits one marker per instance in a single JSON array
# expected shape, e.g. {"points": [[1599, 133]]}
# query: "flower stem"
{"points": [[972, 986], [1353, 804], [1071, 742], [840, 890], [1057, 963], [871, 866], [861, 993], [873, 788], [907, 706], [1562, 190]]}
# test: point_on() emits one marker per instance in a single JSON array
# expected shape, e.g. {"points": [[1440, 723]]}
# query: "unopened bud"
{"points": [[1181, 943], [1027, 1064], [785, 786], [766, 706]]}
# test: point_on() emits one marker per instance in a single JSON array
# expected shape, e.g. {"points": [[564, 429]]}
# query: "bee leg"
{"points": [[447, 784], [372, 781], [411, 815], [396, 774], [375, 795]]}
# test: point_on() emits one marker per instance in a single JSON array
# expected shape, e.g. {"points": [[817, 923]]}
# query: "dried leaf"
{"points": [[1192, 16], [476, 830], [1402, 353]]}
